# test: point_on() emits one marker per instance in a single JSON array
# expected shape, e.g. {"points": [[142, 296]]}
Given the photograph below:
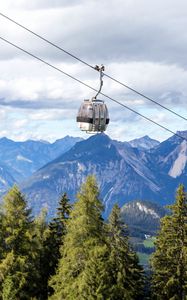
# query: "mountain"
{"points": [[24, 158], [144, 142], [142, 217], [170, 159], [124, 173], [171, 155], [143, 220], [6, 178], [119, 168]]}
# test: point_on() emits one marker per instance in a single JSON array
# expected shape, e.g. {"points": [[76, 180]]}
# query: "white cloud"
{"points": [[20, 123], [147, 53], [37, 4]]}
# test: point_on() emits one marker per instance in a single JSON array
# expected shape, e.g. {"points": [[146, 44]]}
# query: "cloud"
{"points": [[142, 44], [38, 4], [104, 31]]}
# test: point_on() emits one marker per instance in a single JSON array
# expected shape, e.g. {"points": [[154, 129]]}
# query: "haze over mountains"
{"points": [[19, 160], [125, 171]]}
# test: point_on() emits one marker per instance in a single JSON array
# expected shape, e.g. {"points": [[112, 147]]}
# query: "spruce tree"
{"points": [[1, 234], [57, 231], [127, 275], [169, 262], [52, 243], [16, 262], [82, 270], [41, 262]]}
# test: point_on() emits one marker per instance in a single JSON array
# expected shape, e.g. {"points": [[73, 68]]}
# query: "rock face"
{"points": [[124, 173], [144, 143], [170, 158]]}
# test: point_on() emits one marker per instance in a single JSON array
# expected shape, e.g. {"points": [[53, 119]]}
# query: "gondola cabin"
{"points": [[93, 116]]}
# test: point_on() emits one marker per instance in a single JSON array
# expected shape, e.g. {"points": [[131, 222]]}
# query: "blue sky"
{"points": [[142, 43]]}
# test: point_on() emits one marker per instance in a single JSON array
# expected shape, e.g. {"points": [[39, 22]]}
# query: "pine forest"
{"points": [[78, 255]]}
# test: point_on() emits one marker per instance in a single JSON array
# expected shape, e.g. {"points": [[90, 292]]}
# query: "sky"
{"points": [[142, 43]]}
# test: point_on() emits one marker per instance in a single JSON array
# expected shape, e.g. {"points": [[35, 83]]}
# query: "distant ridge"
{"points": [[144, 142], [28, 156], [124, 173]]}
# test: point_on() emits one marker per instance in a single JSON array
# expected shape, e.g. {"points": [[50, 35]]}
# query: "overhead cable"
{"points": [[87, 64], [90, 87]]}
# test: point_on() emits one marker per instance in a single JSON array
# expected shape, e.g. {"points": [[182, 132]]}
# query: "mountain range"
{"points": [[142, 169], [19, 160], [124, 173]]}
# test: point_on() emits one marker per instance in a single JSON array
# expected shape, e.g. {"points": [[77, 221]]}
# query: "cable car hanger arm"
{"points": [[100, 70]]}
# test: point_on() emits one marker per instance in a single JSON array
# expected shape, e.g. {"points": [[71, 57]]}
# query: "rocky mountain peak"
{"points": [[97, 148], [144, 142], [123, 172], [183, 133]]}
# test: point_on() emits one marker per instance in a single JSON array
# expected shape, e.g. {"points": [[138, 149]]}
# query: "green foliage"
{"points": [[143, 258], [17, 221], [40, 263], [53, 242], [57, 230], [83, 268], [169, 262], [83, 257], [149, 242], [127, 278], [2, 233], [14, 271], [17, 259], [9, 292], [28, 248]]}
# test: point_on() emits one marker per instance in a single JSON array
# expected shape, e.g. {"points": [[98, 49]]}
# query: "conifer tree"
{"points": [[169, 262], [52, 242], [57, 231], [82, 270], [16, 262], [1, 234], [127, 275], [41, 262]]}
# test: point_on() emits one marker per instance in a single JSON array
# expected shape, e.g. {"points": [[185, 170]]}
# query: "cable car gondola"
{"points": [[93, 114]]}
